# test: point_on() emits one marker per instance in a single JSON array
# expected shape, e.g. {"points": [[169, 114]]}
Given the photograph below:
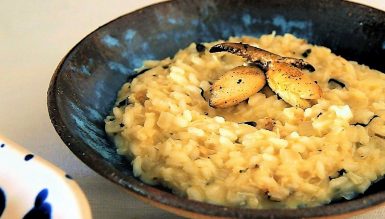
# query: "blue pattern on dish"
{"points": [[129, 35], [120, 68], [298, 27], [110, 41], [85, 70], [68, 176], [2, 200], [41, 209], [89, 131], [28, 157]]}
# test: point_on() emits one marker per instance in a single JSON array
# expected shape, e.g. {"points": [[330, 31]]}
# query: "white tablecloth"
{"points": [[34, 36]]}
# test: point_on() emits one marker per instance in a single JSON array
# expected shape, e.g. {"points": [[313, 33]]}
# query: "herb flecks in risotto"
{"points": [[262, 152]]}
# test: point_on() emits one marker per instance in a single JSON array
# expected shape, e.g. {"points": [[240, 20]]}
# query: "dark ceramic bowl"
{"points": [[84, 86]]}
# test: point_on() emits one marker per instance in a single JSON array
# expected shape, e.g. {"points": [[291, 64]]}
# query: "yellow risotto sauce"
{"points": [[261, 153]]}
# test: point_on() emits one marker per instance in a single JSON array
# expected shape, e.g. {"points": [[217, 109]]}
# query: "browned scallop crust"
{"points": [[236, 86], [292, 85]]}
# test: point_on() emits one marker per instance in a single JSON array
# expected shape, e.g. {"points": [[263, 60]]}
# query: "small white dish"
{"points": [[31, 187]]}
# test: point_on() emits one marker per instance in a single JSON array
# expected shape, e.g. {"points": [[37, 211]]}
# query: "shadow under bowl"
{"points": [[84, 87]]}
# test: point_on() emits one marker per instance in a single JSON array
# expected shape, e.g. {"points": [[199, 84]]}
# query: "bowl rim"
{"points": [[154, 195]]}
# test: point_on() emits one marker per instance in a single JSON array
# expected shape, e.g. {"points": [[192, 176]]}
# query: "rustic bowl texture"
{"points": [[85, 84]]}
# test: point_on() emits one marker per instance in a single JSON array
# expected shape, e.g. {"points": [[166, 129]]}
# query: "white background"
{"points": [[34, 36]]}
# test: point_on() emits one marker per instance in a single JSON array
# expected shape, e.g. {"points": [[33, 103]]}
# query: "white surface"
{"points": [[34, 36]]}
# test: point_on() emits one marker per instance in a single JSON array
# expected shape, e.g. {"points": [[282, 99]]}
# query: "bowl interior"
{"points": [[84, 86]]}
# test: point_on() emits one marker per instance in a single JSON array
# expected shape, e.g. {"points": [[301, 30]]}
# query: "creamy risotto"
{"points": [[261, 153]]}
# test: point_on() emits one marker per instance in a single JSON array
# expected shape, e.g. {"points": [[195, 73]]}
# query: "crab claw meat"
{"points": [[236, 85], [292, 85], [259, 56], [251, 53]]}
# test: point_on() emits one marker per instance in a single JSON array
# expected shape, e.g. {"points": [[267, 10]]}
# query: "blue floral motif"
{"points": [[42, 209], [28, 157], [68, 176], [2, 201]]}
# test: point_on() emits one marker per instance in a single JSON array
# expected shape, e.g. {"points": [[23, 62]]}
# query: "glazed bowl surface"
{"points": [[84, 86]]}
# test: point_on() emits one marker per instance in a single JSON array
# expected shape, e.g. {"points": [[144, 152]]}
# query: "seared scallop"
{"points": [[236, 85]]}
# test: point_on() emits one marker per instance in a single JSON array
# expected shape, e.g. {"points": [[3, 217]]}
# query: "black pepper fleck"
{"points": [[333, 83], [143, 71], [203, 94], [200, 47], [340, 173], [363, 124], [124, 102], [250, 123], [380, 136], [306, 53], [242, 171]]}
